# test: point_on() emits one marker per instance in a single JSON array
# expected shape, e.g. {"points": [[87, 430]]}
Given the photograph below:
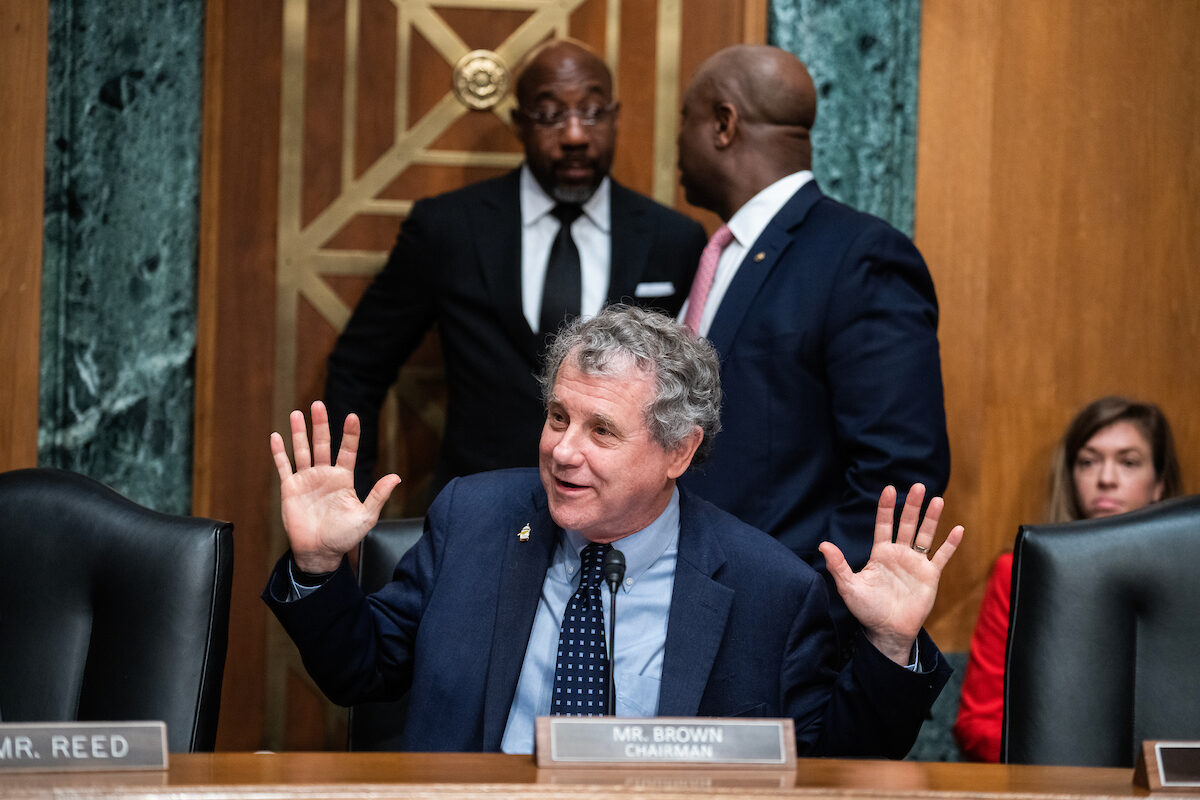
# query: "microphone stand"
{"points": [[614, 573]]}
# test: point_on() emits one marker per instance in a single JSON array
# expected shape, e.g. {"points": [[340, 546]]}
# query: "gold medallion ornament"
{"points": [[480, 79]]}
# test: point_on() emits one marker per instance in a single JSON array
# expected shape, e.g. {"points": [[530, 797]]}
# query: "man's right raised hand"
{"points": [[321, 513]]}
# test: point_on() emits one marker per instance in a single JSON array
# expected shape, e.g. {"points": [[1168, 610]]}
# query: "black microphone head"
{"points": [[614, 568]]}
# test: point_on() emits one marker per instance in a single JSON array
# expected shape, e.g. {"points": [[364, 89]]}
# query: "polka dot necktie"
{"points": [[581, 671]]}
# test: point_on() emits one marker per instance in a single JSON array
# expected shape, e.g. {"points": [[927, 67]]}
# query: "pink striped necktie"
{"points": [[701, 286]]}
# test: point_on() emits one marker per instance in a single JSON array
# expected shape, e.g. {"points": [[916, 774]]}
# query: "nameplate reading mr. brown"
{"points": [[666, 741]]}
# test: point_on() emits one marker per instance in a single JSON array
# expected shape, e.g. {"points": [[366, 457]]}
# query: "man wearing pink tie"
{"points": [[825, 319]]}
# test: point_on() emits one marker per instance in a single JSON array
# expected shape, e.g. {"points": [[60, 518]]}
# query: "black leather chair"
{"points": [[1104, 637], [110, 611], [376, 726]]}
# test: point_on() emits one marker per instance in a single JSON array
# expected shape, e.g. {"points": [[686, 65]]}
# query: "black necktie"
{"points": [[581, 671], [563, 288]]}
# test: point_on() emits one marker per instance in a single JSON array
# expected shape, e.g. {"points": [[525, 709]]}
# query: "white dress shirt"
{"points": [[592, 233], [746, 225]]}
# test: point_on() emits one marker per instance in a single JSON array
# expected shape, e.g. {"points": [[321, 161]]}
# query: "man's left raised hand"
{"points": [[893, 594]]}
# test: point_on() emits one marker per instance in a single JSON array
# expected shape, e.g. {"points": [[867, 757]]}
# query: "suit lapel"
{"points": [[521, 576], [498, 246], [699, 611], [761, 259], [631, 240]]}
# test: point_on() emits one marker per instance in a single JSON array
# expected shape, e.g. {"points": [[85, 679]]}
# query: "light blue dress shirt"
{"points": [[643, 604]]}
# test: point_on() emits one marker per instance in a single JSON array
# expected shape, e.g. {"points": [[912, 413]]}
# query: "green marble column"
{"points": [[863, 56], [121, 220]]}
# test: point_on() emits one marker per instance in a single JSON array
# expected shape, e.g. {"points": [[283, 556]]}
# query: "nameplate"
{"points": [[63, 746], [665, 741], [1168, 765]]}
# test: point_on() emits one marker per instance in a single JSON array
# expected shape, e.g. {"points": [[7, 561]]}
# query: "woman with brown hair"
{"points": [[1116, 456]]}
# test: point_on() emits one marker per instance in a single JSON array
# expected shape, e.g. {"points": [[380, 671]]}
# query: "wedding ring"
{"points": [[920, 549]]}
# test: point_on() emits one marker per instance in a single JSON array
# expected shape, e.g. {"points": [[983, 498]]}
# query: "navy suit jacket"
{"points": [[748, 633], [832, 380], [457, 263]]}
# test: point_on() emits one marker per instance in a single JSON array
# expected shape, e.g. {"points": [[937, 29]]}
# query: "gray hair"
{"points": [[685, 367]]}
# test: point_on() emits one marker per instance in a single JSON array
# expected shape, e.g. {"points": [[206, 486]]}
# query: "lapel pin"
{"points": [[523, 535], [759, 256]]}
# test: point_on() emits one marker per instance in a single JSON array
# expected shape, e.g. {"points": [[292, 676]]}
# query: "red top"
{"points": [[981, 710]]}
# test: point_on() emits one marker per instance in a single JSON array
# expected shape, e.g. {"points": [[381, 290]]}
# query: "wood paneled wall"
{"points": [[23, 28], [1058, 177], [235, 295]]}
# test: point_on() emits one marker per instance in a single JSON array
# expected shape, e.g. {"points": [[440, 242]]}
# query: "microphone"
{"points": [[614, 569], [614, 573]]}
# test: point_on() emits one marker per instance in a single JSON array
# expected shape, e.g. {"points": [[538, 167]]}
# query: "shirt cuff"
{"points": [[915, 664], [304, 583]]}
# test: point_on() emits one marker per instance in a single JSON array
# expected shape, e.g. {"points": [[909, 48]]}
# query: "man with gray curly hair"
{"points": [[686, 371], [496, 616]]}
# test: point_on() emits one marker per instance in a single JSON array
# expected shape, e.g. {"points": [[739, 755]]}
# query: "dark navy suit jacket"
{"points": [[832, 380], [457, 263], [748, 634]]}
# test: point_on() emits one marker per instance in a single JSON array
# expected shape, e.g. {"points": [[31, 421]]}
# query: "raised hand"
{"points": [[321, 511], [893, 594]]}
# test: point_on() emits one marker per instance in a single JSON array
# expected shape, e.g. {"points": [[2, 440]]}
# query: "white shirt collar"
{"points": [[749, 221], [535, 203]]}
